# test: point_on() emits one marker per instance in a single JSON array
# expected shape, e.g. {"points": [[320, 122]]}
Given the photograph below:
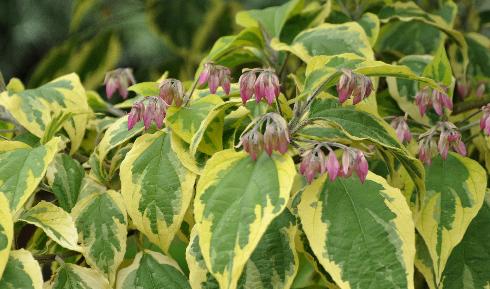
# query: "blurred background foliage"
{"points": [[40, 40]]}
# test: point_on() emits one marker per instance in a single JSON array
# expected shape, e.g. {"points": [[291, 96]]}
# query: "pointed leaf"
{"points": [[156, 187], [102, 227], [236, 199], [22, 271], [362, 234], [76, 277], [55, 222]]}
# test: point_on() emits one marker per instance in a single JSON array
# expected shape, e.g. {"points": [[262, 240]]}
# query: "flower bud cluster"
{"points": [[438, 99], [119, 79], [314, 162], [275, 137], [154, 111], [353, 85], [215, 76], [485, 119], [172, 91], [449, 139], [464, 88], [400, 125], [265, 86]]}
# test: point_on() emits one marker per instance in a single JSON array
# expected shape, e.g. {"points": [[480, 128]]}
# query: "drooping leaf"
{"points": [[102, 227], [455, 190], [272, 265], [76, 277], [35, 108], [362, 234], [187, 121], [22, 169], [156, 187], [6, 232], [65, 176], [55, 222], [22, 271], [236, 199], [152, 270]]}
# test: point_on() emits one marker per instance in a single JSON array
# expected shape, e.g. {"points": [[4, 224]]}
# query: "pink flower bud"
{"points": [[345, 86], [224, 76], [463, 88], [269, 139], [402, 130], [247, 83], [119, 79], [443, 145], [172, 91], [361, 166], [425, 153], [422, 100], [480, 90], [346, 163], [332, 166], [267, 86], [253, 143], [136, 114], [485, 119], [204, 76]]}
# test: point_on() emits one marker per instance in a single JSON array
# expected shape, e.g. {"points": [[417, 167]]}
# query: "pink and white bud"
{"points": [[346, 85], [346, 163], [247, 85], [136, 114], [463, 88], [362, 166], [215, 76], [422, 100], [253, 143], [443, 145], [485, 119], [224, 76], [425, 154], [401, 127], [204, 76], [332, 165], [119, 79], [440, 100], [269, 139], [172, 91]]}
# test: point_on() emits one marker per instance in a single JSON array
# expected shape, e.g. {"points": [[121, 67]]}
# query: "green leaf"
{"points": [[102, 227], [65, 176], [272, 265], [479, 64], [36, 108], [271, 19], [329, 39], [145, 88], [6, 232], [152, 270], [467, 267], [455, 190], [186, 122], [55, 222], [117, 133], [22, 271], [22, 169], [362, 234], [76, 277], [371, 25], [439, 69], [156, 187], [237, 198]]}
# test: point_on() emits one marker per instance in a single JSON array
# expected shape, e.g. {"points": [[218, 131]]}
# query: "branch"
{"points": [[48, 258]]}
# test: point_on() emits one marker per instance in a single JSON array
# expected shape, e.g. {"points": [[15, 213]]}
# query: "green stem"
{"points": [[469, 105]]}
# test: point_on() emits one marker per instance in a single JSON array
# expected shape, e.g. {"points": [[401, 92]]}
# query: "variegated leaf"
{"points": [[6, 232], [22, 271], [371, 25], [65, 176], [362, 234], [273, 264], [34, 109], [236, 200], [76, 277], [102, 227], [186, 122], [116, 134], [156, 187], [455, 189], [55, 222], [152, 270], [22, 169]]}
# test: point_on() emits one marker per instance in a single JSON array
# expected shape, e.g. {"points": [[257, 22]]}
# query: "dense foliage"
{"points": [[325, 145]]}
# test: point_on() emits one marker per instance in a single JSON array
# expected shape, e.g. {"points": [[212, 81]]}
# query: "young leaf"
{"points": [[22, 271], [76, 277], [152, 270], [55, 222], [455, 189], [156, 187], [22, 169], [102, 227], [362, 234], [236, 199]]}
